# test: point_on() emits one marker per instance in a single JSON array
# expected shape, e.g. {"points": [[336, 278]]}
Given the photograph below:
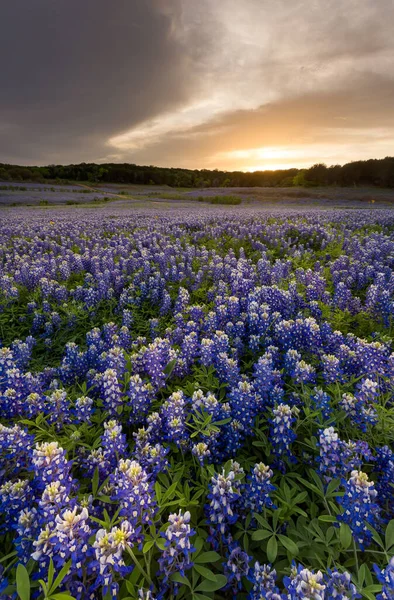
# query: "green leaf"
{"points": [[95, 481], [208, 557], [51, 572], [389, 538], [212, 586], [261, 534], [288, 544], [345, 535], [206, 573], [169, 494], [361, 574], [62, 596], [200, 597], [262, 521], [22, 582], [327, 518], [312, 487], [147, 546], [168, 369], [178, 578], [10, 555], [332, 486], [272, 549], [65, 569]]}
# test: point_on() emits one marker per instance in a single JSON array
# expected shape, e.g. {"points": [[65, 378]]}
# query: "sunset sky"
{"points": [[227, 84]]}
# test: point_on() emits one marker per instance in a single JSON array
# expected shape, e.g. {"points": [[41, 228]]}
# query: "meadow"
{"points": [[196, 402]]}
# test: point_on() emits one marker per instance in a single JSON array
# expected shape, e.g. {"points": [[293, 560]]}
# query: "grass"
{"points": [[220, 199]]}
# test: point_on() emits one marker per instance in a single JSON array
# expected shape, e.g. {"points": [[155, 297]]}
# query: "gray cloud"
{"points": [[75, 73], [188, 81]]}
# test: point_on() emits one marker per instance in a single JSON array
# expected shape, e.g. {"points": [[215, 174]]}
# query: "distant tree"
{"points": [[317, 174], [299, 179]]}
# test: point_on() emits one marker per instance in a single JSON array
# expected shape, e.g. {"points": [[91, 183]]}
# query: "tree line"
{"points": [[373, 172]]}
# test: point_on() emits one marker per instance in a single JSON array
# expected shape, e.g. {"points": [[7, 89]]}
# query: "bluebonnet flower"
{"points": [[54, 499], [34, 404], [227, 369], [146, 595], [386, 578], [174, 419], [257, 490], [321, 401], [201, 451], [15, 497], [176, 556], [114, 359], [15, 448], [109, 548], [71, 541], [111, 392], [236, 567], [152, 457], [331, 368], [304, 373], [385, 469], [83, 409], [113, 441], [223, 496], [304, 584], [359, 507], [140, 395], [291, 359], [207, 349], [133, 490], [26, 529], [245, 403], [281, 433], [263, 578], [264, 375], [337, 458], [50, 464], [339, 586]]}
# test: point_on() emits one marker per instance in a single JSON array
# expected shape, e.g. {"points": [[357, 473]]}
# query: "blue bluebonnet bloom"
{"points": [[174, 419], [258, 488], [133, 490], [111, 392], [304, 584], [109, 548], [359, 507], [223, 496], [331, 368], [281, 433], [50, 464], [263, 578], [15, 448], [83, 409], [321, 401], [176, 556], [15, 497], [337, 458], [384, 466], [340, 586], [236, 567], [140, 398], [386, 578]]}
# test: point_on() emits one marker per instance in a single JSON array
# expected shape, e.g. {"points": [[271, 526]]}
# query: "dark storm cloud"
{"points": [[183, 82], [75, 72]]}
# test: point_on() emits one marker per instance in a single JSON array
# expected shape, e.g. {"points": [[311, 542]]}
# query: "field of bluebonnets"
{"points": [[197, 405]]}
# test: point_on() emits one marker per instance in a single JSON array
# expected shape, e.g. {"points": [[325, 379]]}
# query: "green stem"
{"points": [[147, 563], [138, 565], [355, 555]]}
